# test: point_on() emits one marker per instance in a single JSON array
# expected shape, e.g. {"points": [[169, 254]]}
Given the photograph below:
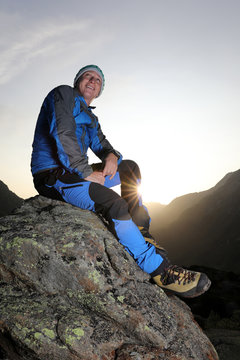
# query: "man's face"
{"points": [[90, 85]]}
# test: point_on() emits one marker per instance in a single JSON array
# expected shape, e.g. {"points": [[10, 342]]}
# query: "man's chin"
{"points": [[88, 98]]}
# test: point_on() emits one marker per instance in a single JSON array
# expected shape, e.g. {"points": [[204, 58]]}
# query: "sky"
{"points": [[171, 98]]}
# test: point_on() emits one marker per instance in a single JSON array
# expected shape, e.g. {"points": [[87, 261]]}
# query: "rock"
{"points": [[8, 200], [70, 291]]}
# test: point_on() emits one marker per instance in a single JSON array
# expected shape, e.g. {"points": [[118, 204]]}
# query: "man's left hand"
{"points": [[111, 165]]}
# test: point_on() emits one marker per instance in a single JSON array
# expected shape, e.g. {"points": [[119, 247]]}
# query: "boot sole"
{"points": [[189, 294]]}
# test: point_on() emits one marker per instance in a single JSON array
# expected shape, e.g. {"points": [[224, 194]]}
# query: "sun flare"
{"points": [[152, 192]]}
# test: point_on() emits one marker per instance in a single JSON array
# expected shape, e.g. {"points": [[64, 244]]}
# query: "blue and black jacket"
{"points": [[65, 129]]}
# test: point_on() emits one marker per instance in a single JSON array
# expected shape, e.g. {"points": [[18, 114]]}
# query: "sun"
{"points": [[139, 189], [151, 192]]}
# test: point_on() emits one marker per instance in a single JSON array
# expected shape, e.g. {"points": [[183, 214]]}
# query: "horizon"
{"points": [[117, 189], [170, 100]]}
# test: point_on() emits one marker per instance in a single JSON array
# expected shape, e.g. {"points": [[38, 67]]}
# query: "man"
{"points": [[65, 129]]}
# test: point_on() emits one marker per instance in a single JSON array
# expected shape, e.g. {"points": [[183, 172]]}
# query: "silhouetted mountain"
{"points": [[155, 209], [203, 228], [8, 200]]}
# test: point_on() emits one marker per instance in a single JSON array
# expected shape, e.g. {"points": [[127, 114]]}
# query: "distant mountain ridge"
{"points": [[8, 200], [203, 228]]}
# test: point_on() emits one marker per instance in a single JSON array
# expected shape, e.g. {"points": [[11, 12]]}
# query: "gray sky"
{"points": [[171, 100]]}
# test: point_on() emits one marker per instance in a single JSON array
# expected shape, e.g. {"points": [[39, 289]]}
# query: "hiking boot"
{"points": [[182, 282]]}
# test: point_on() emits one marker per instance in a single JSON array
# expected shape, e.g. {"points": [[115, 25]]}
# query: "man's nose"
{"points": [[93, 79]]}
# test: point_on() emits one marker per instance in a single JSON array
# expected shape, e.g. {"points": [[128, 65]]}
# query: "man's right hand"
{"points": [[97, 177]]}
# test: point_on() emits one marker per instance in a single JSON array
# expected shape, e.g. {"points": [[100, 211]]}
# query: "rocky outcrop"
{"points": [[8, 200], [70, 291]]}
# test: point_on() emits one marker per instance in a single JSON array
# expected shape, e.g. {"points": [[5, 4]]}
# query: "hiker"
{"points": [[66, 128]]}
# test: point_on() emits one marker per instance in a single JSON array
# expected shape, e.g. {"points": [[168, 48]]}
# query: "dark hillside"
{"points": [[206, 229], [8, 200]]}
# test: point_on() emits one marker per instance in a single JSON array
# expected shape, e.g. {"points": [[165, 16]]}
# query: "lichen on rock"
{"points": [[69, 290]]}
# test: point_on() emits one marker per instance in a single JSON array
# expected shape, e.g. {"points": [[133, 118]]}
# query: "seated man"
{"points": [[65, 129]]}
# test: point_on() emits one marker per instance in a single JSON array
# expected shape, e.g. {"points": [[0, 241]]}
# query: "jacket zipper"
{"points": [[82, 138]]}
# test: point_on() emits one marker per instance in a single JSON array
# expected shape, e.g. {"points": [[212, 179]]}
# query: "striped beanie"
{"points": [[90, 68]]}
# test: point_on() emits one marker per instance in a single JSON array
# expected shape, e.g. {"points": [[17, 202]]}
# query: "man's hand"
{"points": [[97, 177], [111, 165]]}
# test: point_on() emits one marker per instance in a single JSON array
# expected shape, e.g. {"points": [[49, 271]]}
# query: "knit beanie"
{"points": [[90, 68]]}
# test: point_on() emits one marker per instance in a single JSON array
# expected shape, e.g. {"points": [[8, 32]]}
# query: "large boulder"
{"points": [[70, 291]]}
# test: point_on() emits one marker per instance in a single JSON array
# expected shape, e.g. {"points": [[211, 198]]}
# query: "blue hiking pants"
{"points": [[124, 213]]}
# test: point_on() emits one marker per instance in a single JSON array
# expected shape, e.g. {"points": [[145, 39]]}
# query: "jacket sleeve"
{"points": [[63, 129], [101, 146]]}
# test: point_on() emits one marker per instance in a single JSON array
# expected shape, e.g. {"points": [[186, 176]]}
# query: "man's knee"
{"points": [[129, 168], [129, 165]]}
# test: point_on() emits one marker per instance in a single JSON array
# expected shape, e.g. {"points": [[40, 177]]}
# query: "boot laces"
{"points": [[175, 273]]}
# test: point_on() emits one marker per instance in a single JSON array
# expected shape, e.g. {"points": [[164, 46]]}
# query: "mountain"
{"points": [[8, 200], [70, 291], [155, 209], [203, 228]]}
